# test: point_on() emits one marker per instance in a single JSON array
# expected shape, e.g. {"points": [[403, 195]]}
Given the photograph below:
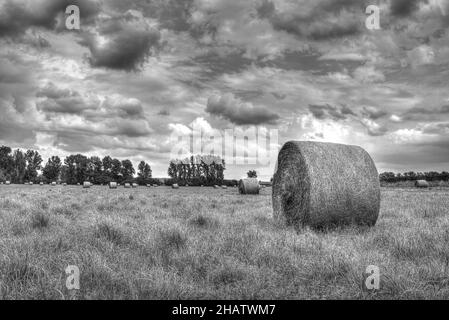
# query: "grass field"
{"points": [[198, 243]]}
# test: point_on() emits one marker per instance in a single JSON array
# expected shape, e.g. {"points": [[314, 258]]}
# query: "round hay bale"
{"points": [[135, 185], [53, 183], [325, 185], [8, 183], [155, 186], [249, 186], [421, 184], [64, 184], [127, 185], [175, 186], [216, 187], [31, 183], [112, 185], [224, 187], [86, 185], [41, 183], [148, 185]]}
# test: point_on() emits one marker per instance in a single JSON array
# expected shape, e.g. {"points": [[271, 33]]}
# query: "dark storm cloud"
{"points": [[238, 112], [57, 100], [325, 21], [127, 43], [17, 16], [374, 113], [404, 8], [327, 111], [423, 113]]}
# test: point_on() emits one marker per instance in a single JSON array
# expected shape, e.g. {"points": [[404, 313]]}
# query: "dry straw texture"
{"points": [[421, 184], [112, 185], [325, 185], [175, 186], [249, 186]]}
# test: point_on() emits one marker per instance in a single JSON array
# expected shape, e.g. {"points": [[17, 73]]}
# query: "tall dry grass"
{"points": [[212, 243]]}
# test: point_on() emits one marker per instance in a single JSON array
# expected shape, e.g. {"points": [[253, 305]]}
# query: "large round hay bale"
{"points": [[127, 185], [86, 185], [249, 186], [135, 185], [224, 187], [64, 184], [175, 186], [31, 183], [41, 183], [53, 183], [112, 185], [421, 184], [8, 183], [148, 185], [216, 187], [325, 185], [155, 185]]}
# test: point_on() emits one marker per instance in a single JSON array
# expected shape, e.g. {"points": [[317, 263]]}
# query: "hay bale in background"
{"points": [[86, 185], [135, 185], [325, 185], [112, 185], [249, 186], [175, 186], [31, 183], [127, 186], [155, 186], [216, 187], [421, 184], [53, 183], [148, 185], [8, 183], [41, 183], [64, 184], [224, 187]]}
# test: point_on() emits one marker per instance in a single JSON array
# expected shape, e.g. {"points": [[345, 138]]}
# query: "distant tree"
{"points": [[127, 170], [52, 169], [19, 167], [116, 170], [252, 174], [34, 161], [144, 173]]}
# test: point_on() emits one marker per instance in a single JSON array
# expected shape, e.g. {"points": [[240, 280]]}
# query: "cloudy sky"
{"points": [[140, 72]]}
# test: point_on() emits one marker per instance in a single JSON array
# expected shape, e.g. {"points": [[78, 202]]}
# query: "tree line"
{"points": [[27, 166], [207, 170], [412, 176]]}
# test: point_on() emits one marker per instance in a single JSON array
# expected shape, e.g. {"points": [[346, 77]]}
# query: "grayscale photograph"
{"points": [[232, 150]]}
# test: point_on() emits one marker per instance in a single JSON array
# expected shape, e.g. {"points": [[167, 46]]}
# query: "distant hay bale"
{"points": [[86, 185], [421, 184], [148, 185], [249, 186], [41, 183], [53, 183], [127, 185], [175, 186], [155, 186], [64, 184], [325, 185], [8, 183], [216, 187], [135, 185], [31, 183], [224, 187], [112, 185]]}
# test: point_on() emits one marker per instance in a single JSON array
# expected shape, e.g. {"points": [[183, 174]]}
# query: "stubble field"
{"points": [[204, 243]]}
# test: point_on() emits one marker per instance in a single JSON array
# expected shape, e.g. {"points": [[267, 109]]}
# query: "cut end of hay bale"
{"points": [[325, 185], [249, 186], [422, 184]]}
